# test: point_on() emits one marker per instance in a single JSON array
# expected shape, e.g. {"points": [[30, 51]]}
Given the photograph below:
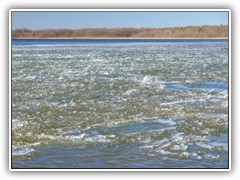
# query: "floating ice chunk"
{"points": [[72, 131], [29, 133], [77, 136], [224, 146], [23, 151], [129, 92], [151, 155], [206, 131], [177, 137], [161, 86], [216, 100], [203, 145], [17, 55], [159, 142], [146, 147], [224, 94], [199, 157], [212, 157], [184, 102], [111, 136], [35, 144], [68, 56], [97, 139], [30, 77], [164, 121], [194, 154], [163, 146], [190, 155], [151, 80], [185, 154], [16, 124], [179, 147], [54, 103], [146, 80], [132, 134], [146, 140], [163, 152], [219, 144], [190, 81]]}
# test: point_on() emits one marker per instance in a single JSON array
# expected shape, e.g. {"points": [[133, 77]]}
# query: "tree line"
{"points": [[176, 32]]}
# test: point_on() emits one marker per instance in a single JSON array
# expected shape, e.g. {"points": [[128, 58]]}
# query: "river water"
{"points": [[120, 104]]}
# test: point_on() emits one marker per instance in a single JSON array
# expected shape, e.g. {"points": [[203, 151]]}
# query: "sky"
{"points": [[76, 20]]}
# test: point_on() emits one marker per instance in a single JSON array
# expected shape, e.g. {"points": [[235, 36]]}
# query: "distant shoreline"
{"points": [[112, 38], [187, 32]]}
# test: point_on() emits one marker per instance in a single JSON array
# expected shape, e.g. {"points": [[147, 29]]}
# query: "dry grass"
{"points": [[196, 32]]}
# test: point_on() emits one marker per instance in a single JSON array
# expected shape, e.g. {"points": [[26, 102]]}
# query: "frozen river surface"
{"points": [[113, 104]]}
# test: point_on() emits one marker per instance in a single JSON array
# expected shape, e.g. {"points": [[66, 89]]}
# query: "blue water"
{"points": [[120, 103], [94, 41]]}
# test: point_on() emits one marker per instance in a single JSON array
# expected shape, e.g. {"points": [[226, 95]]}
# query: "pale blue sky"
{"points": [[76, 20]]}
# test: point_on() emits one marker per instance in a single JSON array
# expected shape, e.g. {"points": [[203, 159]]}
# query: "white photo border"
{"points": [[122, 169]]}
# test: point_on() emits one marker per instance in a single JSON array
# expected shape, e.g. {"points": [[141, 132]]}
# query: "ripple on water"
{"points": [[22, 151]]}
